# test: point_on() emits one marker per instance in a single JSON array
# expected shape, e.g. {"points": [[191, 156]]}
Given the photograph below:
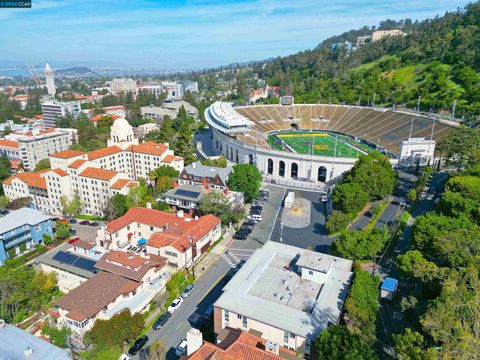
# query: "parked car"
{"points": [[72, 221], [256, 208], [255, 217], [74, 239], [257, 203], [187, 290], [73, 231], [162, 319], [94, 223], [56, 219], [324, 198], [175, 305], [84, 222], [124, 357], [64, 220], [4, 212], [255, 212], [249, 223], [138, 345], [248, 227], [241, 235], [181, 348]]}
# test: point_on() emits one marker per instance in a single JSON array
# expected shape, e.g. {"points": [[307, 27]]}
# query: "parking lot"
{"points": [[85, 232]]}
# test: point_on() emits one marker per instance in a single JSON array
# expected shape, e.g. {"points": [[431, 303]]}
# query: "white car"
{"points": [[324, 198], [175, 305], [256, 218], [181, 348], [124, 357]]}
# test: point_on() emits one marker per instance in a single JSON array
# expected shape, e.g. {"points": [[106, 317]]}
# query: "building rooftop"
{"points": [[204, 171], [34, 179], [186, 192], [21, 217], [172, 230], [121, 183], [99, 174], [51, 258], [236, 344], [94, 295], [15, 341], [131, 266], [67, 154], [9, 143], [316, 261], [96, 154], [270, 289]]}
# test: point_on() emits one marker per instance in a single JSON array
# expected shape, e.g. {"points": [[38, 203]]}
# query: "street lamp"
{"points": [[193, 261], [281, 231]]}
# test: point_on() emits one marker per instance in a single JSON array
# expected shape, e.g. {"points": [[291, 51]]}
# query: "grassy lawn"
{"points": [[323, 144]]}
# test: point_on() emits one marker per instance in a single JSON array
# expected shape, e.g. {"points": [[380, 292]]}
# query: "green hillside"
{"points": [[438, 59]]}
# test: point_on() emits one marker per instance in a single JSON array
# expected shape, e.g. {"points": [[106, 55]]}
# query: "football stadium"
{"points": [[308, 145]]}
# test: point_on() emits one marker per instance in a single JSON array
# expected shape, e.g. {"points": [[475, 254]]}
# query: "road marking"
{"points": [[211, 287], [278, 212], [181, 322], [241, 250], [397, 315]]}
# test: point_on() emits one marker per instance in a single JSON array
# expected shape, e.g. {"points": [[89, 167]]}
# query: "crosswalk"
{"points": [[236, 258]]}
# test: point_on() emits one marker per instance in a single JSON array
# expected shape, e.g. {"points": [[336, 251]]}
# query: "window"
{"points": [[239, 316], [138, 225], [286, 337], [244, 322], [310, 272], [226, 316]]}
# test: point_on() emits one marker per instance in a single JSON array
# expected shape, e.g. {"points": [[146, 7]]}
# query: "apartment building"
{"points": [[22, 229], [188, 85], [52, 110], [179, 239], [285, 294], [38, 144], [123, 85], [9, 149], [122, 281], [118, 110], [94, 176]]}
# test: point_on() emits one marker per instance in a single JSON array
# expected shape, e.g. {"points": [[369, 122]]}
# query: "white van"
{"points": [[255, 217]]}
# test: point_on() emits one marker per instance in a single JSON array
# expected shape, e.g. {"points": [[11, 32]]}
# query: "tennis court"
{"points": [[323, 144]]}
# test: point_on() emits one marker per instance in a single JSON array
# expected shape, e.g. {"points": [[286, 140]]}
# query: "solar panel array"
{"points": [[74, 260], [187, 193]]}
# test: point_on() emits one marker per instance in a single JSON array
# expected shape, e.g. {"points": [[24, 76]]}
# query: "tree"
{"points": [[413, 264], [5, 172], [411, 346], [360, 245], [220, 162], [361, 306], [57, 336], [245, 178], [214, 202], [452, 319], [374, 174], [71, 207], [43, 164], [47, 239], [338, 343], [119, 204], [63, 230], [459, 145], [349, 198], [20, 203], [112, 333], [88, 139], [337, 221], [4, 202], [157, 351]]}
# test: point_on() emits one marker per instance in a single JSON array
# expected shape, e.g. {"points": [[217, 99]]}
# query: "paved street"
{"points": [[390, 318], [208, 287]]}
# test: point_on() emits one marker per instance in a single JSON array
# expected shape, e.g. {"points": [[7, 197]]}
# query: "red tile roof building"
{"points": [[180, 240], [123, 281]]}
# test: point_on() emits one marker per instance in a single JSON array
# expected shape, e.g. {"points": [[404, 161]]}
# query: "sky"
{"points": [[194, 34]]}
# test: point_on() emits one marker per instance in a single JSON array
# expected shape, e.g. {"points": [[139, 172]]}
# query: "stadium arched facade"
{"points": [[241, 135]]}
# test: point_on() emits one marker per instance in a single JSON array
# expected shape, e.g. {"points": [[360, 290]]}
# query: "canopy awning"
{"points": [[142, 241]]}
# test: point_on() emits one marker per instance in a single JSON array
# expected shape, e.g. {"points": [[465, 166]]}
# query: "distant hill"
{"points": [[76, 71], [438, 59]]}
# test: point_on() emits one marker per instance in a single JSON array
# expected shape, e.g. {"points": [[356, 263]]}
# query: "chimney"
{"points": [[196, 217], [180, 213], [194, 340], [272, 347], [149, 205]]}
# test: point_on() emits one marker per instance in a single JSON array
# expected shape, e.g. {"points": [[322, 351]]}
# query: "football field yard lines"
{"points": [[323, 144]]}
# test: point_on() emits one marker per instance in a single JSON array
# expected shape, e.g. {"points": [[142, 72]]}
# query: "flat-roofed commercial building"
{"points": [[52, 110], [286, 294]]}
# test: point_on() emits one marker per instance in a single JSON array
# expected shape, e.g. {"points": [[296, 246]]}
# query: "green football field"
{"points": [[323, 144]]}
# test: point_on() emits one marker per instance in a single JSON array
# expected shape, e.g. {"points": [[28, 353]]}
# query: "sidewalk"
{"points": [[201, 266]]}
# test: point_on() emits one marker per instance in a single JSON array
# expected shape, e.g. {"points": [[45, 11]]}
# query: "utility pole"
{"points": [[454, 108], [193, 261], [418, 105]]}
